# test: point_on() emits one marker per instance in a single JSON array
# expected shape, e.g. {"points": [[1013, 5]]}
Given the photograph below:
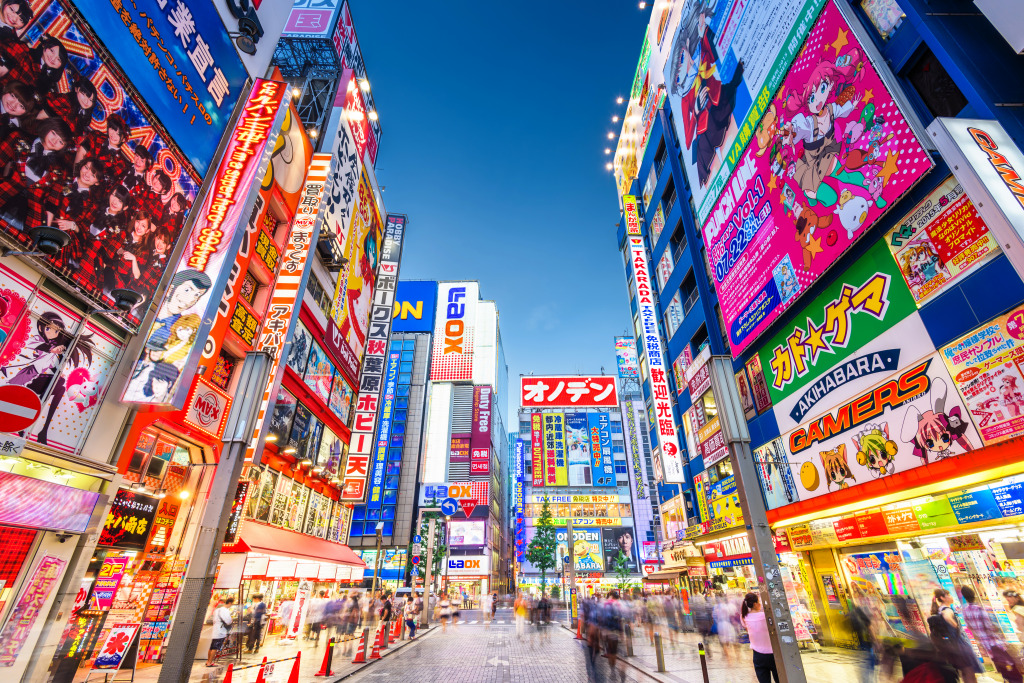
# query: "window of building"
{"points": [[885, 15], [677, 242], [616, 427], [665, 266], [249, 288], [319, 295], [937, 91], [668, 197], [649, 185], [688, 290], [620, 467], [673, 315], [700, 339], [660, 157], [721, 326]]}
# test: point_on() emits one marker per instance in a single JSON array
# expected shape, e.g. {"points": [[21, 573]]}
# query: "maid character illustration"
{"points": [[875, 450], [934, 431]]}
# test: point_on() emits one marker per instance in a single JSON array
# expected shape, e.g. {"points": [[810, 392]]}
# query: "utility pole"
{"points": [[762, 546], [572, 570]]}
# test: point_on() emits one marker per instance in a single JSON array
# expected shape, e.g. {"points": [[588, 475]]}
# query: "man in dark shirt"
{"points": [[259, 611]]}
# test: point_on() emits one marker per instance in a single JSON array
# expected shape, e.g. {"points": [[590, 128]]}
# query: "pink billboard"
{"points": [[832, 154]]}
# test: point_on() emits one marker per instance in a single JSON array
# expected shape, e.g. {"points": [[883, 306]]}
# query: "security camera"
{"points": [[125, 299], [63, 536]]}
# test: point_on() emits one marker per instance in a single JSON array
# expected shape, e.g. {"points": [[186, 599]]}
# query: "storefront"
{"points": [[468, 575]]}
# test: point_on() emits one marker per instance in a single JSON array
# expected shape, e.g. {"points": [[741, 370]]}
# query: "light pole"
{"points": [[572, 571], [376, 558], [447, 553]]}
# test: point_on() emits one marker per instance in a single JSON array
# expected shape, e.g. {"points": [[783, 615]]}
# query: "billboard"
{"points": [[371, 377], [911, 418], [453, 331], [179, 58], [537, 449], [586, 549], [480, 437], [940, 240], [380, 451], [343, 184], [415, 304], [464, 532], [825, 188], [354, 293], [311, 19], [626, 358], [184, 318], [106, 250], [578, 447], [571, 391], [667, 457], [555, 472], [347, 45], [861, 328], [776, 479], [727, 57], [603, 461], [616, 541], [986, 367]]}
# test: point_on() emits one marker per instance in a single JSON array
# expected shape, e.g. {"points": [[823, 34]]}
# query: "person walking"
{"points": [[410, 613], [446, 611], [520, 614], [222, 620], [948, 636], [350, 620], [613, 624], [753, 619], [989, 636], [258, 613]]}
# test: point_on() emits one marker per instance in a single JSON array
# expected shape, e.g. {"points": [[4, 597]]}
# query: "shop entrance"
{"points": [[832, 599]]}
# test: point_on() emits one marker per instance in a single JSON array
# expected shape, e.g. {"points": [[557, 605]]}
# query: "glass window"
{"points": [[409, 345], [319, 373], [341, 398], [281, 418], [401, 403], [408, 356], [299, 435], [279, 513], [391, 482], [359, 512], [404, 378], [389, 528], [403, 390], [268, 483], [401, 415], [939, 93], [357, 528], [372, 514], [388, 512], [674, 315], [405, 367], [395, 454], [397, 440], [390, 497], [886, 15], [394, 467], [299, 351], [398, 428]]}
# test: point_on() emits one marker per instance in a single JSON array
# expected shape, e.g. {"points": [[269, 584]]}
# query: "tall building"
{"points": [[837, 213]]}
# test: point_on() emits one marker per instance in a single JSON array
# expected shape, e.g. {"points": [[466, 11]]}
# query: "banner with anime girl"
{"points": [[831, 155]]}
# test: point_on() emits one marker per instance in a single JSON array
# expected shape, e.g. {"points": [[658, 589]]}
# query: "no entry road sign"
{"points": [[19, 408]]}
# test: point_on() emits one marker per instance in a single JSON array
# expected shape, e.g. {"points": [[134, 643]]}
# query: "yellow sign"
{"points": [[632, 215]]}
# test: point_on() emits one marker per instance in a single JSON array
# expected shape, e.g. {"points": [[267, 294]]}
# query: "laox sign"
{"points": [[455, 327], [463, 564]]}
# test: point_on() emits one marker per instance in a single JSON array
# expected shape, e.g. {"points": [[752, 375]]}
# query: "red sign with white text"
{"points": [[572, 391]]}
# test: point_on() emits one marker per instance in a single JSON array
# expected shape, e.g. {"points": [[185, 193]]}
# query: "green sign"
{"points": [[935, 514]]}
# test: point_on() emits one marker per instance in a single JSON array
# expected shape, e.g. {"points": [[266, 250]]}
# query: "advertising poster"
{"points": [[586, 549], [134, 172], [554, 449], [186, 312], [657, 224], [115, 647], [861, 328], [831, 155], [619, 540], [910, 419], [626, 358], [537, 449], [571, 391], [776, 478], [342, 186], [762, 399], [637, 469], [746, 394], [108, 580], [452, 354], [129, 520], [380, 451], [940, 240], [466, 532], [319, 373], [727, 58], [29, 608], [986, 367], [354, 293], [578, 445], [604, 463]]}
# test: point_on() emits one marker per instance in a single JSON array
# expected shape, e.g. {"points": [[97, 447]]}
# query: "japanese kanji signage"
{"points": [[371, 378], [568, 391], [231, 533], [108, 580], [115, 647], [603, 463], [555, 472], [205, 265], [291, 282], [129, 520], [207, 408], [452, 358], [181, 60], [517, 500], [668, 439], [380, 451], [480, 437], [632, 215], [537, 448], [33, 600]]}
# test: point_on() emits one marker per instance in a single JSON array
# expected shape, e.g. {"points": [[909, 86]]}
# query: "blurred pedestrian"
{"points": [[949, 638], [445, 607], [753, 618], [1015, 606], [612, 627], [350, 620], [724, 615], [257, 613], [860, 625], [990, 638], [410, 613]]}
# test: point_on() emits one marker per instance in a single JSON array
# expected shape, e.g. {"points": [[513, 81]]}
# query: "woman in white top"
{"points": [[446, 611], [757, 627]]}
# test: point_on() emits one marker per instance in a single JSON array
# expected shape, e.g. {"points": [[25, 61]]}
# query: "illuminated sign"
{"points": [[160, 377], [371, 378], [568, 391], [453, 332], [291, 282], [632, 216], [415, 304], [207, 408]]}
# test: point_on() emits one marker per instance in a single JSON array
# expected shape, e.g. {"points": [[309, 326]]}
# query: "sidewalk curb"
{"points": [[400, 645], [663, 678]]}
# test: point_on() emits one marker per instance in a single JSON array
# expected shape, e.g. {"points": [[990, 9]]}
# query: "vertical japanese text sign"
{"points": [[284, 306], [668, 439], [205, 265], [371, 377]]}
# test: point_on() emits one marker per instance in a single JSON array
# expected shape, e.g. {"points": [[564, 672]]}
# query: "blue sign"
{"points": [[380, 449], [415, 304], [449, 506], [417, 539], [601, 449], [1010, 499], [415, 559], [976, 506], [180, 58]]}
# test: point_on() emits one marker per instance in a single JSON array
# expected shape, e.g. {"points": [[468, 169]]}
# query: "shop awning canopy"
{"points": [[263, 538], [665, 574]]}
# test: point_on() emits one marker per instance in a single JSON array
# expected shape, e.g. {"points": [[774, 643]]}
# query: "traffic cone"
{"points": [[361, 647], [259, 676], [293, 677], [376, 644], [579, 629], [325, 668], [394, 631], [384, 629], [227, 676]]}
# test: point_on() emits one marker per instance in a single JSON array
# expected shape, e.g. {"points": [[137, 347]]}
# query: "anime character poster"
{"points": [[578, 449], [832, 153], [726, 57], [298, 353], [942, 239], [586, 549], [912, 418], [81, 154], [319, 373], [776, 479], [341, 398], [986, 366], [351, 310]]}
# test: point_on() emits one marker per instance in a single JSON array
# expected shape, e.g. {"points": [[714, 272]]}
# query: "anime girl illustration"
{"points": [[875, 450], [837, 470], [707, 103], [934, 431], [786, 280], [36, 364], [1010, 395], [359, 296], [578, 456], [75, 381], [921, 264], [182, 337]]}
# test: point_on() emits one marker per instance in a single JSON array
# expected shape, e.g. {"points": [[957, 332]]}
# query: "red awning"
{"points": [[262, 538]]}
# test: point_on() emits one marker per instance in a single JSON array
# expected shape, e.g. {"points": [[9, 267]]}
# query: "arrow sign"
{"points": [[468, 505], [449, 506], [19, 407]]}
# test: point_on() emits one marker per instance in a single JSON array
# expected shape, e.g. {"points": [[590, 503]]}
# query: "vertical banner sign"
{"points": [[29, 608], [637, 476], [380, 452], [202, 273], [603, 467], [632, 215], [668, 439], [579, 445], [480, 438], [371, 378], [452, 356], [283, 311], [108, 581], [234, 528], [537, 447], [517, 501]]}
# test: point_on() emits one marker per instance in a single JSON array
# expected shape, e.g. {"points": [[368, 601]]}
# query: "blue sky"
{"points": [[495, 118]]}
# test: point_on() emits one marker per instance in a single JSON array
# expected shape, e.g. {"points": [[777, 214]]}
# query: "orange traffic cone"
{"points": [[325, 668], [393, 636], [293, 677], [259, 676], [361, 648], [579, 629], [375, 654], [227, 676]]}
